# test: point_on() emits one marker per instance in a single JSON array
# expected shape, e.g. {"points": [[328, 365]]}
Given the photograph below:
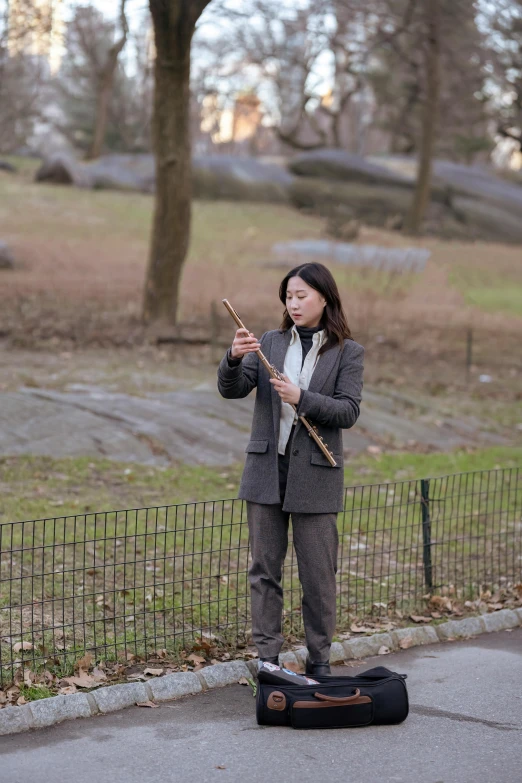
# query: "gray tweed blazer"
{"points": [[331, 403]]}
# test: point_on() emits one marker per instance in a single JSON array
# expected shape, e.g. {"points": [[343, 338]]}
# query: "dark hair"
{"points": [[333, 319]]}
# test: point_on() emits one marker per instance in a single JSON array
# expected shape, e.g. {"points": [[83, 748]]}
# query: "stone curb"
{"points": [[47, 712]]}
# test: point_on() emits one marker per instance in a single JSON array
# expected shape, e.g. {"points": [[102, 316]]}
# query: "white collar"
{"points": [[317, 337]]}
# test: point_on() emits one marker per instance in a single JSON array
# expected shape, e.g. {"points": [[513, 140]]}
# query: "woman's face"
{"points": [[304, 304]]}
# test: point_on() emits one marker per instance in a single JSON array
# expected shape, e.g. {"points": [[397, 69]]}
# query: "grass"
{"points": [[156, 578], [35, 487], [35, 692], [92, 247]]}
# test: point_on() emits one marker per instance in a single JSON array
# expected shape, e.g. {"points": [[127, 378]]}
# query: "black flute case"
{"points": [[376, 696]]}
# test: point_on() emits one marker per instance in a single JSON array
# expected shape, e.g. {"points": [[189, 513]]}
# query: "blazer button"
{"points": [[295, 452]]}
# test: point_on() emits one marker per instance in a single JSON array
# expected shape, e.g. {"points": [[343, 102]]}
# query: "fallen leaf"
{"points": [[21, 700], [154, 672], [85, 662], [243, 681], [220, 766], [440, 603], [82, 681], [67, 690], [3, 697], [146, 704], [195, 658], [19, 646], [383, 650], [494, 607], [436, 615], [417, 618], [360, 629], [98, 674], [406, 642]]}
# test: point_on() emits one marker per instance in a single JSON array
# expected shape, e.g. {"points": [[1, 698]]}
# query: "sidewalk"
{"points": [[465, 726]]}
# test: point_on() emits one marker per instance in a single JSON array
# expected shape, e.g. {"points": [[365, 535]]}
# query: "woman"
{"points": [[285, 471]]}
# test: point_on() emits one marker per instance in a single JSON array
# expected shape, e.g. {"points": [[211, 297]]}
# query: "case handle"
{"points": [[339, 699]]}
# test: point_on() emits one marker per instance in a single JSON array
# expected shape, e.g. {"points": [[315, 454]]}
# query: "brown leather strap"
{"points": [[339, 699]]}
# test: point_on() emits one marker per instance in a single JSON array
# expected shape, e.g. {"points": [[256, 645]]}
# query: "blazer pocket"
{"points": [[257, 447], [318, 458]]}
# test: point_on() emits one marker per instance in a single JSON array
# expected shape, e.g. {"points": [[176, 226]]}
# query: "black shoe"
{"points": [[319, 668], [272, 659]]}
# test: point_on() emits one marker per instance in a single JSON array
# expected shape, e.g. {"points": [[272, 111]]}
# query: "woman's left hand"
{"points": [[288, 391]]}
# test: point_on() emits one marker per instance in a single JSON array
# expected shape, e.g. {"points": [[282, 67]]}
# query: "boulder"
{"points": [[240, 179], [489, 222], [370, 203], [217, 177], [6, 256], [110, 172], [62, 169], [480, 182], [335, 164]]}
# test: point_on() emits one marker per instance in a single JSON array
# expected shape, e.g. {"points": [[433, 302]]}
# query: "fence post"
{"points": [[426, 532], [469, 352]]}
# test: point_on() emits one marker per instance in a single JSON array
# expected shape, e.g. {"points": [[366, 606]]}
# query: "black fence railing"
{"points": [[155, 578]]}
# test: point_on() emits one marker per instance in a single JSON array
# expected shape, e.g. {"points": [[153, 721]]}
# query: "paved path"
{"points": [[197, 426], [465, 726]]}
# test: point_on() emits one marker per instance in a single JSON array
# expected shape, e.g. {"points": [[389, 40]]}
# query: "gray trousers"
{"points": [[316, 541]]}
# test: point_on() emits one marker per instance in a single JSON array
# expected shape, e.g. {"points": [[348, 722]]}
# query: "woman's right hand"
{"points": [[244, 342]]}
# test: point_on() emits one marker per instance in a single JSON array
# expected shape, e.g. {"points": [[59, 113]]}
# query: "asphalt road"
{"points": [[465, 726]]}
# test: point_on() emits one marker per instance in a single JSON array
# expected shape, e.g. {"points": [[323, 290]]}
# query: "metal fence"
{"points": [[155, 578]]}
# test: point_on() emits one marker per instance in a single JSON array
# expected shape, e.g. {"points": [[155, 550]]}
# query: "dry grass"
{"points": [[82, 258]]}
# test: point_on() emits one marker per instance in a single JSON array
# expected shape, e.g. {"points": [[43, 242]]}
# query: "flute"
{"points": [[274, 372]]}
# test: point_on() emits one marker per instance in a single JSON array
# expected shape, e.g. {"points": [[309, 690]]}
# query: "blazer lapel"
{"points": [[279, 347], [323, 368]]}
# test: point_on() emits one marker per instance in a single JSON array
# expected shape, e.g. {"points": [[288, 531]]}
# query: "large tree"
{"points": [[431, 41], [174, 24], [104, 85]]}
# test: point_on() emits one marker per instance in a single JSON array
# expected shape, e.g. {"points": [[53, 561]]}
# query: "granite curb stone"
{"points": [[418, 636], [47, 712], [461, 629], [368, 645], [223, 674], [500, 621], [16, 719], [173, 685], [115, 697]]}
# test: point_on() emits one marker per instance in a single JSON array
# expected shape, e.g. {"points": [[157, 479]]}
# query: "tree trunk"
{"points": [[174, 23], [422, 193], [102, 111], [105, 88]]}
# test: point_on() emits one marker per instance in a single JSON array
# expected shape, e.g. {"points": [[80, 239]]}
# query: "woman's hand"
{"points": [[287, 390], [244, 342]]}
